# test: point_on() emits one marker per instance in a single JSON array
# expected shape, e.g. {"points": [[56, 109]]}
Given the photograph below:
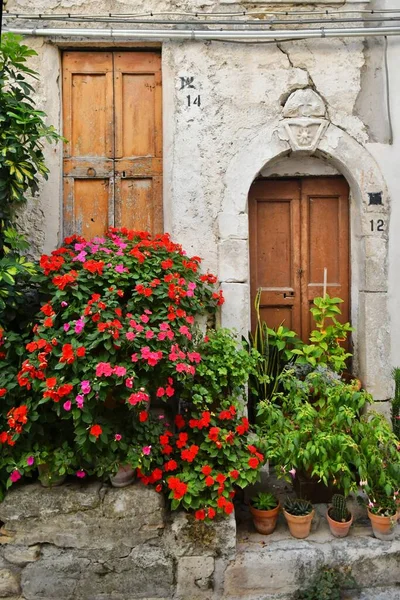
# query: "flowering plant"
{"points": [[117, 331]]}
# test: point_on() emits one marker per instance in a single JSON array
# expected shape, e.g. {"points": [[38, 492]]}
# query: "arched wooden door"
{"points": [[297, 228]]}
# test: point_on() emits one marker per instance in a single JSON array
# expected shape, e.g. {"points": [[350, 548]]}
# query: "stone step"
{"points": [[273, 567]]}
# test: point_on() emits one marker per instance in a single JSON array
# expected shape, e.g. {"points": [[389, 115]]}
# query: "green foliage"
{"points": [[264, 501], [22, 127], [325, 349], [396, 403], [298, 507], [22, 133], [274, 348], [223, 371], [339, 510], [328, 584]]}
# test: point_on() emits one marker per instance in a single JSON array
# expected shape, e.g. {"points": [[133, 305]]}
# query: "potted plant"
{"points": [[339, 517], [298, 514], [54, 464], [264, 508], [383, 514]]}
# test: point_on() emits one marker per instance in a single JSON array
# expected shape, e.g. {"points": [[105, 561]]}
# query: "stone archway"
{"points": [[370, 212]]}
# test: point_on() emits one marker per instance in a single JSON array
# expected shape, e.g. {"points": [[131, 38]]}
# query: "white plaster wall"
{"points": [[242, 88]]}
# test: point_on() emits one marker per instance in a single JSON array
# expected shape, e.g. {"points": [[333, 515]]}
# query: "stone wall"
{"points": [[92, 542], [87, 541]]}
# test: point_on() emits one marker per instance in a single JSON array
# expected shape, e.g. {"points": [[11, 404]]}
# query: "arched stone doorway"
{"points": [[369, 219]]}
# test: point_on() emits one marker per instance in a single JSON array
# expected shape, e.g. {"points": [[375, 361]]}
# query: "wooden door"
{"points": [[297, 228], [113, 154]]}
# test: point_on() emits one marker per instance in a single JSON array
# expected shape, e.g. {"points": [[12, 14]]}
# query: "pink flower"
{"points": [[66, 326], [371, 504], [79, 325], [146, 450], [129, 382], [293, 472], [138, 397], [160, 392], [134, 357], [81, 474], [144, 319], [164, 327], [104, 369], [130, 336], [149, 334], [85, 386], [117, 437], [30, 460], [15, 475], [67, 405], [120, 371], [64, 304], [120, 268], [80, 400], [194, 357]]}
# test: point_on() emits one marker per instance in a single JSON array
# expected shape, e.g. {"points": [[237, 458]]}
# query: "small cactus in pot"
{"points": [[339, 517]]}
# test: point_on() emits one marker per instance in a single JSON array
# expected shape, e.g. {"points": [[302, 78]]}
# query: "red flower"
{"points": [[183, 437], [48, 322], [228, 508], [234, 474], [206, 470], [61, 281], [179, 421], [159, 488], [143, 416], [209, 481], [94, 266], [241, 429], [171, 465], [96, 430], [220, 478], [156, 475], [200, 515], [179, 487], [211, 513], [81, 351], [190, 453], [213, 434], [253, 462], [3, 392]]}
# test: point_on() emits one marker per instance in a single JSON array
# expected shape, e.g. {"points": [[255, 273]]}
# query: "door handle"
{"points": [[288, 295]]}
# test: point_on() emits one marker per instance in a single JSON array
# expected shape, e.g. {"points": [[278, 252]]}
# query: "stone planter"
{"points": [[47, 479], [339, 528], [265, 520], [124, 476], [384, 528], [299, 526]]}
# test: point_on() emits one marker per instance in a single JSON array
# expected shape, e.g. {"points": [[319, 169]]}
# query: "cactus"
{"points": [[339, 510], [298, 507]]}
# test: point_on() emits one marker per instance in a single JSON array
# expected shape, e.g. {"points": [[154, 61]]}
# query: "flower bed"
{"points": [[116, 333]]}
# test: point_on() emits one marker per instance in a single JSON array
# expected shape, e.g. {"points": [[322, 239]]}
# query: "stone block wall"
{"points": [[92, 542]]}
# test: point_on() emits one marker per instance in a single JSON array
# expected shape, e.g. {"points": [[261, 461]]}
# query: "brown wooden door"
{"points": [[113, 154], [297, 228]]}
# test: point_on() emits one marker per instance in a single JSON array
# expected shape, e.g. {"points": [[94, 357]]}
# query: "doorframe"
{"points": [[369, 251]]}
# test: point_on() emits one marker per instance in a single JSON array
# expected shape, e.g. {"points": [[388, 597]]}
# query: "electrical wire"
{"points": [[326, 12], [258, 22]]}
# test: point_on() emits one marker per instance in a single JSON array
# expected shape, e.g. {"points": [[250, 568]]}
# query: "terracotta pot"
{"points": [[265, 520], [47, 479], [124, 476], [338, 528], [383, 527], [299, 526]]}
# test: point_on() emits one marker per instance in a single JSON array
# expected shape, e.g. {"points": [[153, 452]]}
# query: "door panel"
{"points": [[325, 243], [113, 156], [274, 213], [298, 227]]}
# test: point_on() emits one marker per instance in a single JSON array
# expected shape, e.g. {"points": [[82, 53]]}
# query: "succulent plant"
{"points": [[298, 507], [339, 511], [264, 501]]}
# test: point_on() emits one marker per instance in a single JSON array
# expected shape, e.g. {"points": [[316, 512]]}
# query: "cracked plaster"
{"points": [[242, 89]]}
